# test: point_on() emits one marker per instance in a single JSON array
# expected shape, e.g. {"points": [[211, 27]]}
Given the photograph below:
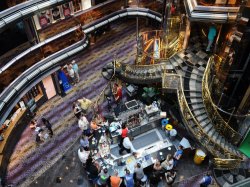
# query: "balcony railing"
{"points": [[220, 14]]}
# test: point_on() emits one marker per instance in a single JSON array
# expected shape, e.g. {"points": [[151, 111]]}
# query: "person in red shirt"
{"points": [[117, 91], [123, 133]]}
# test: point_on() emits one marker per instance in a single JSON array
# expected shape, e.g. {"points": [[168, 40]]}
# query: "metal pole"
{"points": [[231, 115], [220, 99], [137, 23]]}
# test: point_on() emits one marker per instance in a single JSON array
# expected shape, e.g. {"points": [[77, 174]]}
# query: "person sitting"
{"points": [[177, 155], [33, 124], [83, 154], [127, 146], [85, 104], [168, 164], [103, 177], [129, 179], [117, 92], [115, 180], [170, 177]]}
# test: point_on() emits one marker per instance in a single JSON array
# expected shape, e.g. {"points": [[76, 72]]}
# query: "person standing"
{"points": [[104, 176], [129, 179], [211, 36], [115, 180], [206, 180], [83, 154], [71, 73], [48, 126], [117, 92], [83, 124], [178, 154], [139, 173], [127, 145], [76, 70], [123, 133]]}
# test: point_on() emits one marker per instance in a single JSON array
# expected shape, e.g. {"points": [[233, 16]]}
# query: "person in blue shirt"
{"points": [[178, 154], [76, 70], [129, 179], [211, 36], [206, 180]]}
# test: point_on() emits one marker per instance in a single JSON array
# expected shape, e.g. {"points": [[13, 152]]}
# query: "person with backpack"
{"points": [[206, 180]]}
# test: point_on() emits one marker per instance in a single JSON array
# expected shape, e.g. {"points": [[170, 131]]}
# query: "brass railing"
{"points": [[195, 127], [223, 158], [221, 126], [226, 163]]}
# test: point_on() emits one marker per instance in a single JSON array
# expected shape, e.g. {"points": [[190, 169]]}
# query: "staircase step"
{"points": [[205, 122], [199, 112], [220, 180], [208, 127], [211, 133], [197, 106], [202, 118], [215, 136]]}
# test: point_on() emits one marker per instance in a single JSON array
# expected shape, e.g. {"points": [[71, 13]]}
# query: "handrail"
{"points": [[219, 122], [11, 95], [24, 53], [207, 13], [24, 9]]}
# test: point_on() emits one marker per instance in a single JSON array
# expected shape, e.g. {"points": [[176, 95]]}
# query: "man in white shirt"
{"points": [[127, 146], [83, 123], [83, 154]]}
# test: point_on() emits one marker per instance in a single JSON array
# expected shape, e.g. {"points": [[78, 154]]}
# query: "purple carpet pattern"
{"points": [[28, 160]]}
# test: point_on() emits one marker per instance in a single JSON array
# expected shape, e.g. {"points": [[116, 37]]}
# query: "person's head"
{"points": [[138, 165], [127, 171], [33, 121], [105, 170], [172, 172], [44, 120], [180, 147], [157, 163], [115, 173], [208, 174], [169, 157], [123, 126], [86, 148], [73, 62]]}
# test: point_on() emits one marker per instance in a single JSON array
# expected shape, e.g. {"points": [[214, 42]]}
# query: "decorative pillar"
{"points": [[187, 34]]}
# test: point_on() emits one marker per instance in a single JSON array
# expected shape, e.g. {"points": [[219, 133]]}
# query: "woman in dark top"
{"points": [[92, 170]]}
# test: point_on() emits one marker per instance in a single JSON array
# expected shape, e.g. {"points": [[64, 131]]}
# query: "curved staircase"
{"points": [[190, 67]]}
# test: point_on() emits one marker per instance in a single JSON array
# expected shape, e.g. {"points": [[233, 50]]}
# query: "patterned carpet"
{"points": [[29, 161]]}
